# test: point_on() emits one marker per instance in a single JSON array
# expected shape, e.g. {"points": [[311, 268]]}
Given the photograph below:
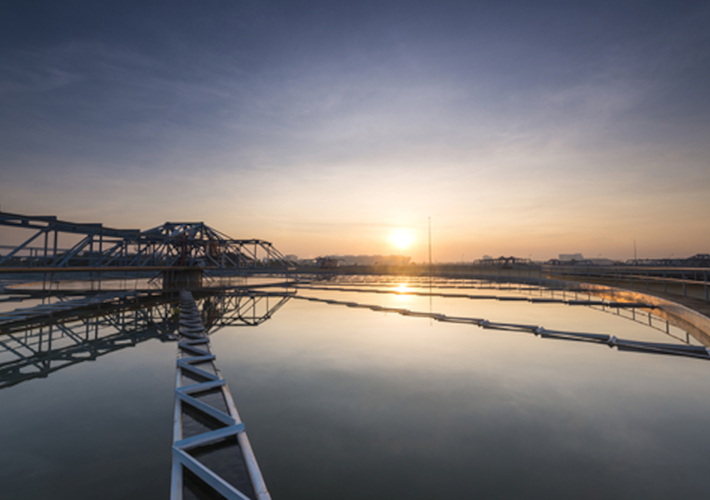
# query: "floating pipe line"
{"points": [[534, 300], [444, 284], [597, 338], [484, 284], [207, 430]]}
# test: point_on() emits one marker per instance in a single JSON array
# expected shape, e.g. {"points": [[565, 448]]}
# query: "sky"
{"points": [[519, 128]]}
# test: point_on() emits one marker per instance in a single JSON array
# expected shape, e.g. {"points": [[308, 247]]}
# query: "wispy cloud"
{"points": [[279, 120]]}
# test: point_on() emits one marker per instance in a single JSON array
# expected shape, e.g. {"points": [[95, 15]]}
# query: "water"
{"points": [[349, 403]]}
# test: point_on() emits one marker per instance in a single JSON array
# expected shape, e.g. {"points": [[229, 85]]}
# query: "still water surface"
{"points": [[354, 404]]}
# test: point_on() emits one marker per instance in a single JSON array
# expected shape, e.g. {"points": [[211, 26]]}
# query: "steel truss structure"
{"points": [[62, 307], [173, 244], [67, 332], [230, 308], [39, 351]]}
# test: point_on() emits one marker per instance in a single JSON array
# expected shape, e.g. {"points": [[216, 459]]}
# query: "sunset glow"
{"points": [[402, 238], [520, 130], [403, 288]]}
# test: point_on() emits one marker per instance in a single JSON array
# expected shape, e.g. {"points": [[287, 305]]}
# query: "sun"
{"points": [[402, 238]]}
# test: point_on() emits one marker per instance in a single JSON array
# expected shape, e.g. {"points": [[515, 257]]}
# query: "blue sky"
{"points": [[525, 128]]}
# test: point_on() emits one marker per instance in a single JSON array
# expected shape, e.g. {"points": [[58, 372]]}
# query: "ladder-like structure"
{"points": [[211, 452]]}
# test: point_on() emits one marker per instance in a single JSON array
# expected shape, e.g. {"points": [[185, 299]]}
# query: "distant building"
{"points": [[327, 262], [566, 257], [373, 260]]}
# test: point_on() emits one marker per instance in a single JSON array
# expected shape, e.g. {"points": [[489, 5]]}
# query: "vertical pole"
{"points": [[49, 341], [705, 275], [91, 262], [56, 235], [101, 254], [429, 246], [430, 300], [44, 263]]}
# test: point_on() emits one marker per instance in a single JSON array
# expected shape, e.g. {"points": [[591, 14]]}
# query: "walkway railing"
{"points": [[686, 281]]}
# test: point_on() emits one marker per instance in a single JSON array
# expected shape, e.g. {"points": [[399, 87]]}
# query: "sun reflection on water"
{"points": [[403, 288]]}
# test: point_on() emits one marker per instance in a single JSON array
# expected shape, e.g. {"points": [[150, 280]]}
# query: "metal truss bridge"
{"points": [[171, 246]]}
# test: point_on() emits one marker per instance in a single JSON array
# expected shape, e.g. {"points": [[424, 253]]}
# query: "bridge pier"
{"points": [[182, 278]]}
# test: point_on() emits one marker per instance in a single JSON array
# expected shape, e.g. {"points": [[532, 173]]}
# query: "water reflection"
{"points": [[59, 330], [403, 288], [519, 311], [348, 403], [230, 308], [57, 327], [343, 402]]}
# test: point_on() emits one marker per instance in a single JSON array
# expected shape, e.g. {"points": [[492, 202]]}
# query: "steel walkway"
{"points": [[212, 457]]}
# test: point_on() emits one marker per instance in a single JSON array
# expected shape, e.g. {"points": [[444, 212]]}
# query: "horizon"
{"points": [[400, 239]]}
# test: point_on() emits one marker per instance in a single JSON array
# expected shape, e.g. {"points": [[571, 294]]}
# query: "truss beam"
{"points": [[173, 244]]}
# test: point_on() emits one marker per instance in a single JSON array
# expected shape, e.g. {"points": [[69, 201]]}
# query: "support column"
{"points": [[182, 278]]}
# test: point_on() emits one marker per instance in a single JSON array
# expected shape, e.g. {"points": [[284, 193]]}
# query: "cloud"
{"points": [[510, 120]]}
